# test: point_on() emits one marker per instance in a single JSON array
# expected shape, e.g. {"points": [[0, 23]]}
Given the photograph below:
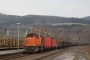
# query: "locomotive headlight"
{"points": [[34, 44], [27, 41]]}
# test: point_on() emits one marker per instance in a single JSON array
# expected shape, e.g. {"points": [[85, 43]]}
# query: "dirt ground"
{"points": [[77, 53]]}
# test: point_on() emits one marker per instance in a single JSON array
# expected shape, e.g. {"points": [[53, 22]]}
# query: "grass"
{"points": [[76, 57], [87, 52]]}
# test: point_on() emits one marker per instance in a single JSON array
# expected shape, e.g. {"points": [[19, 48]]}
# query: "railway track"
{"points": [[37, 56], [10, 48], [50, 55], [13, 56]]}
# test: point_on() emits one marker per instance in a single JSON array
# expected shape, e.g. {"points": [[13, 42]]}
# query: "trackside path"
{"points": [[82, 55], [68, 55], [72, 54]]}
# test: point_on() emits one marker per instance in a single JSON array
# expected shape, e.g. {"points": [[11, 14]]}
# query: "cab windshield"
{"points": [[32, 36]]}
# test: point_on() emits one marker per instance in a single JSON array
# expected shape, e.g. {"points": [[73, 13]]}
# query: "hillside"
{"points": [[88, 17], [11, 20]]}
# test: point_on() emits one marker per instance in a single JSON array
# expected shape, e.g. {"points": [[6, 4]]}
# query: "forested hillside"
{"points": [[88, 17], [11, 20]]}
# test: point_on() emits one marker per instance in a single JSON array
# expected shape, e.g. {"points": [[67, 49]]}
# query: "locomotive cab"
{"points": [[32, 43]]}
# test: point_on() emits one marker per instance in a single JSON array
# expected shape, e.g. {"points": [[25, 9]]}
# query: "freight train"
{"points": [[10, 43], [36, 43]]}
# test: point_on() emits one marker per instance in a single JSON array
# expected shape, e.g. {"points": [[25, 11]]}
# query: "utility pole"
{"points": [[18, 34]]}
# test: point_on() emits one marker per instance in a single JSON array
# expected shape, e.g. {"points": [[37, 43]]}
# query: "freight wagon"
{"points": [[9, 43], [53, 43]]}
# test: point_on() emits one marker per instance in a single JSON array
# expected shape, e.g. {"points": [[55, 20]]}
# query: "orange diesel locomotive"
{"points": [[34, 43]]}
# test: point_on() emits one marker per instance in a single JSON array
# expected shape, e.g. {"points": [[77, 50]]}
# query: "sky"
{"points": [[63, 8]]}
